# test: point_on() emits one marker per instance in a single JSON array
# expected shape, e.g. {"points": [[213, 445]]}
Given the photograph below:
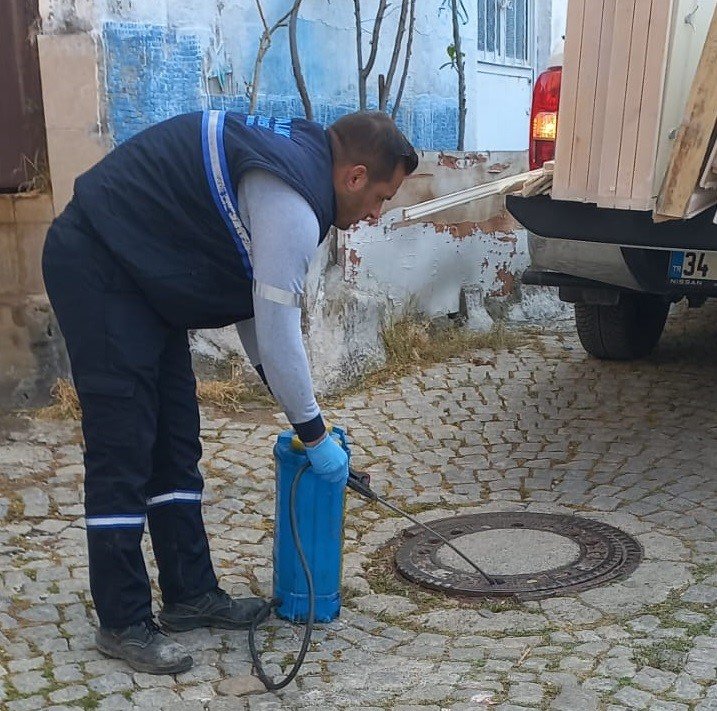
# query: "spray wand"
{"points": [[360, 482]]}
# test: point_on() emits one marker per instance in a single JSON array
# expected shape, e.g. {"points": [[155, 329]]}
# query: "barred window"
{"points": [[503, 27]]}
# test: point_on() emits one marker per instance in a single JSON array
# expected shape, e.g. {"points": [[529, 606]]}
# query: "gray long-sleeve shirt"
{"points": [[284, 236]]}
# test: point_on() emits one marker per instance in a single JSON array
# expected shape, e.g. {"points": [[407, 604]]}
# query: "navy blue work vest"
{"points": [[161, 205]]}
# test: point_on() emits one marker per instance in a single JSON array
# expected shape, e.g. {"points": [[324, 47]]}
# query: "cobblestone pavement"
{"points": [[544, 429]]}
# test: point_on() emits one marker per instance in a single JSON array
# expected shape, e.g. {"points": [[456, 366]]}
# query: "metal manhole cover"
{"points": [[581, 554]]}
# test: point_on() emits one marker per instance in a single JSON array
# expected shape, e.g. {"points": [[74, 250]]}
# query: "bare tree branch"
{"points": [[366, 70], [296, 62], [374, 37], [406, 59], [281, 22], [359, 50], [461, 69], [263, 18], [400, 31], [264, 44]]}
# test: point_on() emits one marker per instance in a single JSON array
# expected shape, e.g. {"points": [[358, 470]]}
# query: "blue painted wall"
{"points": [[154, 72]]}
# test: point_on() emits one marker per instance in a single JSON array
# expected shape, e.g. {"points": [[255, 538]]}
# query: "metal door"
{"points": [[22, 125]]}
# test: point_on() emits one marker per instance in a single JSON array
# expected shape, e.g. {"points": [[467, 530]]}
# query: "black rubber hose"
{"points": [[268, 682]]}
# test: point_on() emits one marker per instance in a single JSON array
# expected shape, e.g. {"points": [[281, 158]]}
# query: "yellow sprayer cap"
{"points": [[298, 446]]}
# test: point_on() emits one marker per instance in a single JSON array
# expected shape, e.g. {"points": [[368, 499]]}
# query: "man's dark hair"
{"points": [[371, 138]]}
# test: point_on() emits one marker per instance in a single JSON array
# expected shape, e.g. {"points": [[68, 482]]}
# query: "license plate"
{"points": [[692, 267]]}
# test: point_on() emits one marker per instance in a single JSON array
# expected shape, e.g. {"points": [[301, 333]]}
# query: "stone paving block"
{"points": [[526, 693], [590, 649], [701, 593], [29, 682], [198, 692], [156, 698], [654, 680], [68, 693], [111, 683], [30, 703], [576, 664], [701, 672], [24, 665], [645, 623], [600, 684], [634, 698], [709, 703], [67, 673], [427, 693], [661, 705], [35, 501], [562, 610], [115, 702], [686, 689], [616, 667], [572, 698]]}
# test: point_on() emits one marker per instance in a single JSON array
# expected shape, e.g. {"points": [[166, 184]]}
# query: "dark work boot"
{"points": [[215, 608], [145, 648]]}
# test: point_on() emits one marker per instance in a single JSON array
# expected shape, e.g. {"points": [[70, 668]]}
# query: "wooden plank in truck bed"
{"points": [[586, 102], [637, 73], [615, 104], [692, 143], [643, 193], [568, 97], [691, 22], [600, 110]]}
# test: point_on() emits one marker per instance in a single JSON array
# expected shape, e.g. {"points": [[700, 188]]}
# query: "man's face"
{"points": [[358, 198]]}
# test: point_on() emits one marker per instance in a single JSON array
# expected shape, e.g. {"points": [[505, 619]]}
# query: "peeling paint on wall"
{"points": [[507, 282], [465, 160], [431, 262], [502, 222]]}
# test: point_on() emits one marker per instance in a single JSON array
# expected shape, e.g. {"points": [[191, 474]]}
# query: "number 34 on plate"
{"points": [[692, 264]]}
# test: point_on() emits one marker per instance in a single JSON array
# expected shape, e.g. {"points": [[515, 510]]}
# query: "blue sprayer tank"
{"points": [[320, 518]]}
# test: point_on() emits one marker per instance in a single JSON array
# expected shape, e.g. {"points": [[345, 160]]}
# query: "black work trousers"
{"points": [[140, 422]]}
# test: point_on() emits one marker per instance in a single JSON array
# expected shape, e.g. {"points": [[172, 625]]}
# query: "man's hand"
{"points": [[328, 459]]}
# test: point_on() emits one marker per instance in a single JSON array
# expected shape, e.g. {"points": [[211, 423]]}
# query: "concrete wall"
{"points": [[559, 13], [70, 64], [31, 352]]}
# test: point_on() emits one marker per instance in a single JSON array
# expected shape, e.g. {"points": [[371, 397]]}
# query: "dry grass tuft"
{"points": [[65, 404], [230, 394], [412, 341]]}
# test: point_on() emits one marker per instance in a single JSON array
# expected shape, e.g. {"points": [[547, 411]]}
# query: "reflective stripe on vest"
{"points": [[220, 184]]}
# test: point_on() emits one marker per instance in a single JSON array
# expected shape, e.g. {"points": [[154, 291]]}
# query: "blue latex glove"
{"points": [[329, 460]]}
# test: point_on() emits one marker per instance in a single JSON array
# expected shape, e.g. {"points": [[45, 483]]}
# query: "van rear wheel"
{"points": [[627, 330]]}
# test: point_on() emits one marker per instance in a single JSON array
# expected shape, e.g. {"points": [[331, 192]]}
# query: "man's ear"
{"points": [[356, 178]]}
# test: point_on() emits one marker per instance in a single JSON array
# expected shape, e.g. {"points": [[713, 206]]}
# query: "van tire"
{"points": [[627, 330]]}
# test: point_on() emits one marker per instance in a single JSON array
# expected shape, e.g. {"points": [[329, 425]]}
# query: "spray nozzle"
{"points": [[360, 482]]}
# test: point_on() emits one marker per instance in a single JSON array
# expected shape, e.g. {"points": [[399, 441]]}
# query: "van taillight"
{"points": [[544, 117]]}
